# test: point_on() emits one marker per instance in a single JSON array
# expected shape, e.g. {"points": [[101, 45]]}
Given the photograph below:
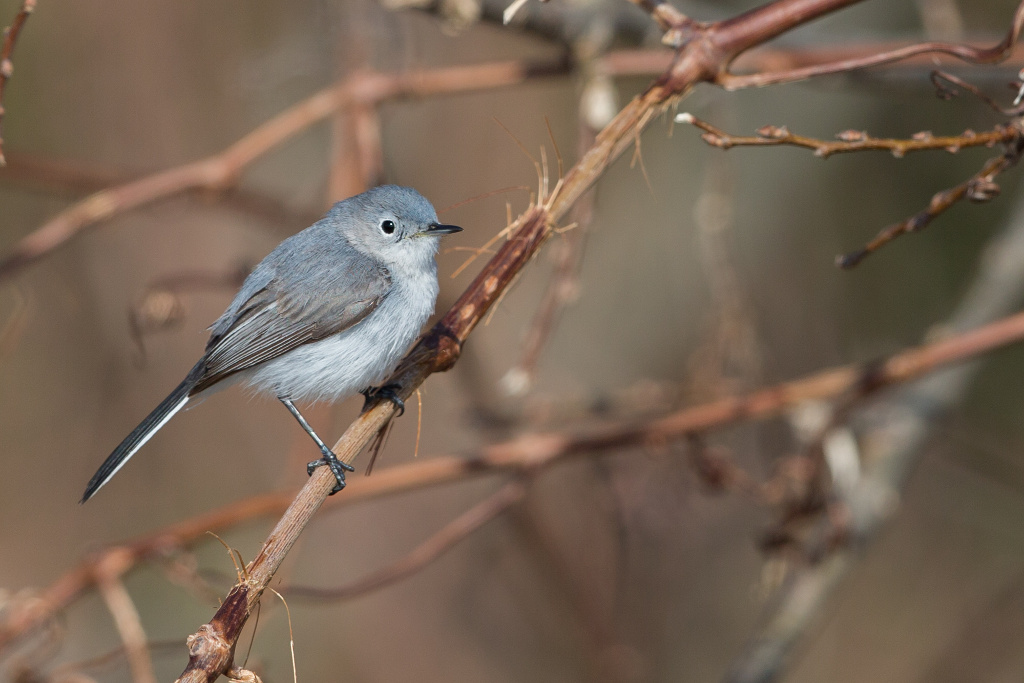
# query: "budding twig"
{"points": [[980, 187]]}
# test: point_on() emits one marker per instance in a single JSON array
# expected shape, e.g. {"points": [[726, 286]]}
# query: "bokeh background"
{"points": [[625, 557]]}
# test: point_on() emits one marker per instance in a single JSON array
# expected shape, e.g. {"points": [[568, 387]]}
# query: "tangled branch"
{"points": [[980, 187], [526, 454]]}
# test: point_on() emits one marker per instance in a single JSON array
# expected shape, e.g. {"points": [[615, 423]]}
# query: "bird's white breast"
{"points": [[359, 357]]}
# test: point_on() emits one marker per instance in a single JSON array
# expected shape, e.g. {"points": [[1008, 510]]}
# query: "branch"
{"points": [[980, 187], [898, 432], [528, 453], [964, 53], [218, 172], [126, 618], [425, 553], [11, 34], [854, 141]]}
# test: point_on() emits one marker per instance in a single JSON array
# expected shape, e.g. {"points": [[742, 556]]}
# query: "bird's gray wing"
{"points": [[284, 308]]}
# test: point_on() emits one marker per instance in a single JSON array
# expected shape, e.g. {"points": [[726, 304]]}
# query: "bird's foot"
{"points": [[338, 468], [388, 391]]}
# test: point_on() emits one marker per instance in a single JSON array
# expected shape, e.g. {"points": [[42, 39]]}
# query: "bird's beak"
{"points": [[439, 229]]}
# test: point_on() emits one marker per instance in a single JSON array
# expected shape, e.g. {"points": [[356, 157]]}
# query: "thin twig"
{"points": [[11, 34], [434, 547], [980, 187], [129, 625], [854, 141], [964, 53]]}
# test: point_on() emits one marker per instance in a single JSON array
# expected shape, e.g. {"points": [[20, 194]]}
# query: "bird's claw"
{"points": [[338, 469], [389, 392]]}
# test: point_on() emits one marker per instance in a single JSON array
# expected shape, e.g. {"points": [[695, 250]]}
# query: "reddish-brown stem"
{"points": [[965, 53]]}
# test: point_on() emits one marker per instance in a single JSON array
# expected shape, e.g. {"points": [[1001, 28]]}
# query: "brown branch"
{"points": [[11, 34], [530, 452], [964, 53], [434, 547], [980, 187], [211, 648], [222, 170], [854, 141]]}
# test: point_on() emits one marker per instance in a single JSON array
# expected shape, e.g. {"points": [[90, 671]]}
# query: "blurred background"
{"points": [[705, 273]]}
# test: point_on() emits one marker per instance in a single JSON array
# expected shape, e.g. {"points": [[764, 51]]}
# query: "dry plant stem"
{"points": [[11, 34], [941, 202], [222, 170], [530, 452], [129, 625], [428, 551], [771, 136]]}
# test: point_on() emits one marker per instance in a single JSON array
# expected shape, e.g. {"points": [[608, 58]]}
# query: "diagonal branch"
{"points": [[441, 542], [530, 452], [980, 187]]}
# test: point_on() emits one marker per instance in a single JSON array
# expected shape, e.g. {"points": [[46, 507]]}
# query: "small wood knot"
{"points": [[207, 643], [448, 348]]}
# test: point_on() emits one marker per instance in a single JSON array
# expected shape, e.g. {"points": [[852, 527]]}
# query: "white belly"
{"points": [[355, 359]]}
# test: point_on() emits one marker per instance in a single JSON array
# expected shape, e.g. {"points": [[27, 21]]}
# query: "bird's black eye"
{"points": [[388, 227]]}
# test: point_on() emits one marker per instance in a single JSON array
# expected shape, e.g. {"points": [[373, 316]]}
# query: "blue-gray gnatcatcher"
{"points": [[328, 313]]}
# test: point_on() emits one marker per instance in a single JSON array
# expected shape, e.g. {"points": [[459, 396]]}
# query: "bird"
{"points": [[328, 313]]}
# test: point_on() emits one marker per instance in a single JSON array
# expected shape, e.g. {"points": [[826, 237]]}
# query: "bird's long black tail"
{"points": [[141, 434]]}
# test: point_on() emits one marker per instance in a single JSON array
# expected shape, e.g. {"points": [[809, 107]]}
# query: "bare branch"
{"points": [[965, 53], [980, 187], [525, 454], [126, 617], [444, 540], [855, 141], [218, 172]]}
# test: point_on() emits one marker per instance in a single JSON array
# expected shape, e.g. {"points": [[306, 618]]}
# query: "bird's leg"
{"points": [[388, 391], [338, 467]]}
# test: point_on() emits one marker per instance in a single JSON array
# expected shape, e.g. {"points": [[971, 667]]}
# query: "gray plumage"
{"points": [[327, 313]]}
